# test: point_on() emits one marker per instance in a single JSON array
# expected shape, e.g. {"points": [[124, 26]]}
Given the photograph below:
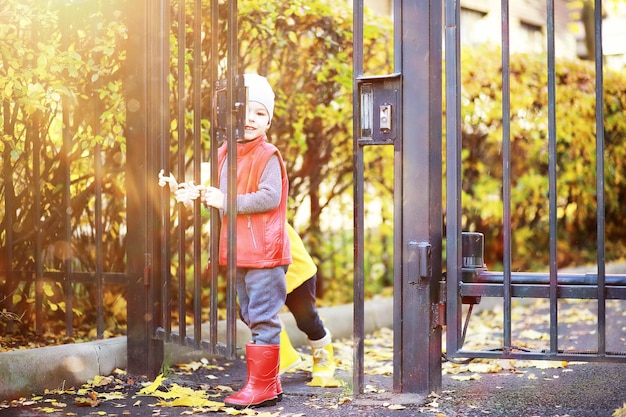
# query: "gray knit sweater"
{"points": [[268, 195]]}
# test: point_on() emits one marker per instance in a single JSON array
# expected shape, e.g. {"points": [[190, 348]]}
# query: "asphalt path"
{"points": [[514, 388], [583, 390]]}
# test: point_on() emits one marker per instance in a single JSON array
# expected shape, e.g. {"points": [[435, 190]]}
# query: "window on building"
{"points": [[531, 38], [471, 31]]}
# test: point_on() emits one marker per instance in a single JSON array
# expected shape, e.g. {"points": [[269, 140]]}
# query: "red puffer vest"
{"points": [[262, 240]]}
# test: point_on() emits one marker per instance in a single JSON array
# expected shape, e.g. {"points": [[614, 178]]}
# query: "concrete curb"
{"points": [[29, 371], [32, 371]]}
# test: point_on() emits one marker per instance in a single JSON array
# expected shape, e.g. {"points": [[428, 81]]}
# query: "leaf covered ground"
{"points": [[199, 387]]}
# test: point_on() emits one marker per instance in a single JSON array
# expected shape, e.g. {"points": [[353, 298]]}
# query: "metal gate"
{"points": [[387, 109], [468, 279], [169, 274], [48, 209], [153, 254]]}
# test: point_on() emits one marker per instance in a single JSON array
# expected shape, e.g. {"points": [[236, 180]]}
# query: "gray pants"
{"points": [[261, 294]]}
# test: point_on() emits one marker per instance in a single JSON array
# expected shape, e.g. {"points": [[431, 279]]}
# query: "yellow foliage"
{"points": [[180, 396]]}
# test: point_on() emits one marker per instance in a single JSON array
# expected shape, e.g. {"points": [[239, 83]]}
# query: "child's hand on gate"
{"points": [[187, 192], [213, 197], [170, 180]]}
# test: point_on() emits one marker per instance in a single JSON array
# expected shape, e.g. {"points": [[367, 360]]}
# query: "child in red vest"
{"points": [[302, 273], [263, 253]]}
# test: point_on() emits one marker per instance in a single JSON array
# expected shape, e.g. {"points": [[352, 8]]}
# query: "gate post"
{"points": [[418, 200], [145, 120]]}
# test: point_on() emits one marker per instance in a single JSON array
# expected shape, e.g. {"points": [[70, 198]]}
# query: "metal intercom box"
{"points": [[380, 99]]}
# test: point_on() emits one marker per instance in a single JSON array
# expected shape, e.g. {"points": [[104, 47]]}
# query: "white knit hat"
{"points": [[260, 90]]}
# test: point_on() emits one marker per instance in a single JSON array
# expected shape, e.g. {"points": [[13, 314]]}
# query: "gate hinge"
{"points": [[439, 308]]}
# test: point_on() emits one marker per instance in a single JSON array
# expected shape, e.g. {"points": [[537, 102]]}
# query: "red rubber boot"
{"points": [[260, 389]]}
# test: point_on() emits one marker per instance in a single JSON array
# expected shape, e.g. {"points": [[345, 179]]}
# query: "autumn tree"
{"points": [[63, 116], [62, 110]]}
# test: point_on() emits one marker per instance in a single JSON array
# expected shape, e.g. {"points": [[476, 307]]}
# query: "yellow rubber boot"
{"points": [[323, 372], [289, 356]]}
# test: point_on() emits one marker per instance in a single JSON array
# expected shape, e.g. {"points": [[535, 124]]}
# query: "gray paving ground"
{"points": [[579, 391], [574, 390]]}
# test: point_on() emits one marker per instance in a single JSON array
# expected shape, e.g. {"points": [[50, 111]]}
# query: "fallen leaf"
{"points": [[191, 366], [48, 410], [533, 335], [101, 381], [86, 402], [620, 412], [115, 395], [153, 386]]}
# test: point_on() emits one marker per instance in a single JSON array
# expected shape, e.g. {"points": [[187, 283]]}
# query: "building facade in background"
{"points": [[481, 24]]}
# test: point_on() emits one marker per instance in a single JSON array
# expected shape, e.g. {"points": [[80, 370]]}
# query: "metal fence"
{"points": [[175, 274]]}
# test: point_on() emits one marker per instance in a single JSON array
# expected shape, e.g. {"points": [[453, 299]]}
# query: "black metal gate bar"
{"points": [[359, 227], [6, 171], [67, 223], [233, 129], [601, 220], [98, 277], [506, 170], [147, 121], [383, 104], [37, 221], [608, 357], [454, 306], [180, 125], [160, 70], [214, 224], [552, 189], [157, 247], [420, 38], [197, 150]]}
